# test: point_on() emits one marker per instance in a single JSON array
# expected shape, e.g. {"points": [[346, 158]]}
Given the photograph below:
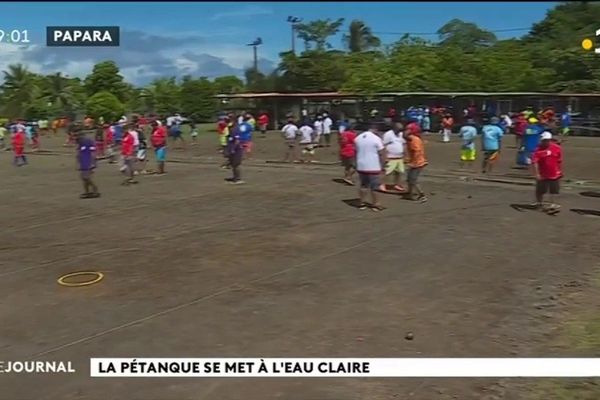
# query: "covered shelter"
{"points": [[357, 105]]}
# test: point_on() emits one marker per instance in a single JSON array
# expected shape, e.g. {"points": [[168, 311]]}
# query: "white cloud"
{"points": [[244, 12], [143, 58]]}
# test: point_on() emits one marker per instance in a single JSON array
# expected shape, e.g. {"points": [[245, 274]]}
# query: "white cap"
{"points": [[546, 136]]}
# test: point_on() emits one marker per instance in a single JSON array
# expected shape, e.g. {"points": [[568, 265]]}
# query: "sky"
{"points": [[162, 39]]}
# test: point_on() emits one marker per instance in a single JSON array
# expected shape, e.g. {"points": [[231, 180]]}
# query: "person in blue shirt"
{"points": [[468, 133], [530, 141], [491, 137], [235, 153], [565, 123], [245, 134], [118, 133]]}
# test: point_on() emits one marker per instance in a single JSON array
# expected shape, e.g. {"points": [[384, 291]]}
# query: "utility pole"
{"points": [[294, 22], [255, 45]]}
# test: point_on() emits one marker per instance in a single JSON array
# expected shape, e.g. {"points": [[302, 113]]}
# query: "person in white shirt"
{"points": [[394, 143], [290, 131], [327, 123], [370, 161], [318, 130], [307, 140]]}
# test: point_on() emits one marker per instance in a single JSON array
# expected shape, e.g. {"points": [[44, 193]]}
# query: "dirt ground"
{"points": [[282, 267]]}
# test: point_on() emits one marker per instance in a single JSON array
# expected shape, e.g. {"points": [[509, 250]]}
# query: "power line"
{"points": [[436, 34]]}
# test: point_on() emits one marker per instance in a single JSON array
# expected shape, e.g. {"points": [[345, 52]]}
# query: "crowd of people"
{"points": [[388, 156], [383, 153]]}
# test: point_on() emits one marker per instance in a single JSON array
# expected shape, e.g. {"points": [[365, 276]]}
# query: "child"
{"points": [[318, 130], [447, 123], [223, 132], [86, 163], [348, 153], [159, 142], [416, 162], [546, 163], [128, 158], [468, 154], [35, 138], [194, 133], [109, 143], [99, 139], [307, 142], [290, 131], [263, 123], [245, 133], [18, 146]]}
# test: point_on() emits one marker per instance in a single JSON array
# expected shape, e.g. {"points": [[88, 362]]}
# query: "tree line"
{"points": [[464, 58]]}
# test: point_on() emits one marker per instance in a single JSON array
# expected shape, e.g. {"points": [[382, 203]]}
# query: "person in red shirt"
{"points": [[546, 162], [159, 143], [18, 146], [263, 123], [520, 126], [447, 124], [128, 155], [348, 154]]}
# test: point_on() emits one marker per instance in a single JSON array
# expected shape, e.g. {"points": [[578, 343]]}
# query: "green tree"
{"points": [[360, 37], [106, 105], [318, 32], [228, 84], [105, 76], [20, 90], [465, 35], [62, 95], [197, 101], [164, 96]]}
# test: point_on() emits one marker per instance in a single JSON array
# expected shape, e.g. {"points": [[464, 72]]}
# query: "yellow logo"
{"points": [[588, 44]]}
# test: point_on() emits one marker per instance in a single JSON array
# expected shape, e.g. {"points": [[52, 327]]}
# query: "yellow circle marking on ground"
{"points": [[587, 44], [63, 279]]}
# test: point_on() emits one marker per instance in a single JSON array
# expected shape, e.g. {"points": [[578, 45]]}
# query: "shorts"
{"points": [[247, 146], [369, 181], [161, 154], [290, 143], [263, 128], [194, 133], [307, 148], [467, 154], [127, 163], [491, 155], [141, 155], [394, 165], [565, 131], [175, 133], [547, 185], [86, 173], [412, 176], [348, 163]]}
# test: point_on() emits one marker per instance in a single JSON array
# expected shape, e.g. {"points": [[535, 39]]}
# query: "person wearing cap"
{"points": [[491, 137], [468, 134], [530, 141], [546, 163]]}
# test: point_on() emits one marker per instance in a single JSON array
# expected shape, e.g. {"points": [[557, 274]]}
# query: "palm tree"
{"points": [[20, 89], [360, 37], [318, 32], [60, 92]]}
